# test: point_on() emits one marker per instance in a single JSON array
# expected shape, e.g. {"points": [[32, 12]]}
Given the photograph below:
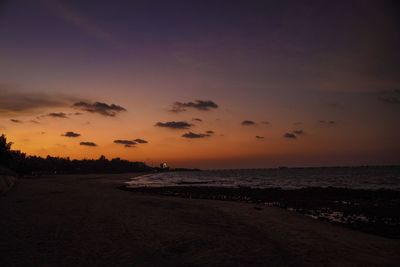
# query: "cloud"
{"points": [[130, 143], [126, 143], [327, 122], [174, 124], [82, 23], [197, 119], [34, 121], [71, 134], [265, 122], [192, 135], [390, 97], [210, 132], [140, 141], [15, 121], [248, 123], [88, 144], [61, 115], [14, 101], [259, 137], [100, 108], [290, 135], [298, 132], [203, 105]]}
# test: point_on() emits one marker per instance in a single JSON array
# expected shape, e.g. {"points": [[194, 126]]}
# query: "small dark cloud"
{"points": [[16, 121], [248, 123], [140, 141], [34, 121], [174, 124], [99, 108], [290, 135], [327, 122], [192, 135], [197, 119], [126, 143], [298, 132], [259, 137], [71, 134], [390, 97], [88, 144], [61, 115], [210, 132], [204, 105]]}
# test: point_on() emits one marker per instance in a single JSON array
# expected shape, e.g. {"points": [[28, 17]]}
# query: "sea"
{"points": [[368, 177]]}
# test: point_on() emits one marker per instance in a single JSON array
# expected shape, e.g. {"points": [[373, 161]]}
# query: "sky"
{"points": [[205, 84]]}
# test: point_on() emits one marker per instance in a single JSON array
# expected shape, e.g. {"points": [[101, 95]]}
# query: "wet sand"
{"points": [[370, 211], [87, 221]]}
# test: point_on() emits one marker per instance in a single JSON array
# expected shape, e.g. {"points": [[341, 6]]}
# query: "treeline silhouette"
{"points": [[23, 164]]}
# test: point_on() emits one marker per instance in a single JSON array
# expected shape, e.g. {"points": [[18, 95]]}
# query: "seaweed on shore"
{"points": [[371, 211]]}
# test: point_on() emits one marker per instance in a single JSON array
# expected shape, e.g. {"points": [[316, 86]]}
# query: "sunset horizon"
{"points": [[199, 133], [255, 89]]}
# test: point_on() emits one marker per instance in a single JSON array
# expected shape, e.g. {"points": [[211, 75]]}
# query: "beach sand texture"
{"points": [[84, 220]]}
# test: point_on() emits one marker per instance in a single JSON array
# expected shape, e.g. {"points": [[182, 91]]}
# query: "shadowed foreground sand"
{"points": [[86, 221]]}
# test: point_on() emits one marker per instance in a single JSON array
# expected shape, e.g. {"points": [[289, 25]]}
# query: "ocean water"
{"points": [[286, 178]]}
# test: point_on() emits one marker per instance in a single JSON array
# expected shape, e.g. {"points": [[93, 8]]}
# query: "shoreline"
{"points": [[370, 211], [84, 220]]}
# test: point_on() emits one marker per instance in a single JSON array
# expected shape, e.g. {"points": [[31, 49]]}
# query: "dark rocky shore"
{"points": [[371, 211]]}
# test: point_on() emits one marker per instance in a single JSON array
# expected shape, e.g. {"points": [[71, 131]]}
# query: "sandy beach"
{"points": [[86, 221]]}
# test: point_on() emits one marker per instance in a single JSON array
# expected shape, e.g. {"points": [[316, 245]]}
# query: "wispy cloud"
{"points": [[174, 124], [192, 135], [126, 143], [60, 115], [331, 122], [109, 110], [88, 144], [140, 141], [15, 121], [71, 134], [248, 123], [290, 136], [78, 20], [204, 105], [298, 132], [14, 101]]}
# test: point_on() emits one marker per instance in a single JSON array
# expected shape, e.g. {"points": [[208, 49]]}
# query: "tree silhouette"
{"points": [[5, 150], [32, 165]]}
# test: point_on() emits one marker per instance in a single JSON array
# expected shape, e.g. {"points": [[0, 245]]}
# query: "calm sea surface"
{"points": [[286, 178]]}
